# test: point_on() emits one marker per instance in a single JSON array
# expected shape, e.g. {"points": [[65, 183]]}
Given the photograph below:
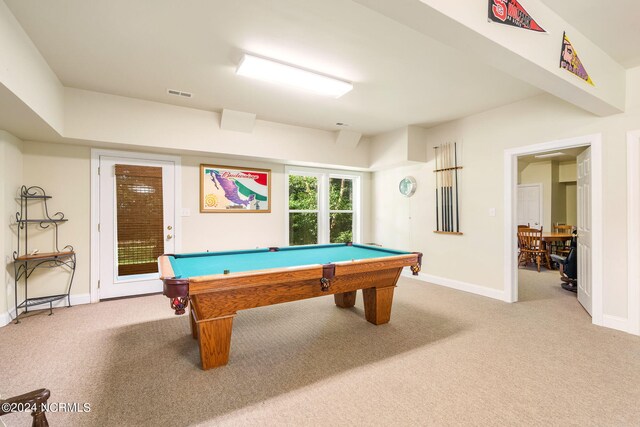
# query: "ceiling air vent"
{"points": [[179, 93]]}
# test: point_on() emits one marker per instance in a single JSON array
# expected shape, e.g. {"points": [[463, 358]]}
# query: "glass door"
{"points": [[137, 210]]}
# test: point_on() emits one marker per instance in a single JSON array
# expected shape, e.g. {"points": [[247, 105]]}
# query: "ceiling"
{"points": [[400, 76], [568, 155], [142, 48], [612, 25]]}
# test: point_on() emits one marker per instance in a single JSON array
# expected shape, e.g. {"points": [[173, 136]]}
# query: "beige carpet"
{"points": [[446, 358]]}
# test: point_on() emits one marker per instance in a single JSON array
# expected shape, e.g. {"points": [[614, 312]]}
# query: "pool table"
{"points": [[218, 284]]}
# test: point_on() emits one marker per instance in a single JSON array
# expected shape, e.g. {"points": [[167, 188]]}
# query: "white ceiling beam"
{"points": [[400, 147], [348, 138], [26, 74], [529, 56], [111, 120], [237, 121]]}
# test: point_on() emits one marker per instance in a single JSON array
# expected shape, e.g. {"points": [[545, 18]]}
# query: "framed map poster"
{"points": [[231, 189]]}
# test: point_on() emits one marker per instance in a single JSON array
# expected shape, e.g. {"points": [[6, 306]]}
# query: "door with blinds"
{"points": [[137, 220]]}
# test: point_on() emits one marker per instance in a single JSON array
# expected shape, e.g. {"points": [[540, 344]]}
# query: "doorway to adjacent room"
{"points": [[548, 206], [588, 214]]}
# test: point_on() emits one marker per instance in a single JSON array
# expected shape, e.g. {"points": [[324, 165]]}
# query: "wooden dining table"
{"points": [[549, 238]]}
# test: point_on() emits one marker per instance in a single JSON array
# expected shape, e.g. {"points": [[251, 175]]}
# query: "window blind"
{"points": [[140, 218]]}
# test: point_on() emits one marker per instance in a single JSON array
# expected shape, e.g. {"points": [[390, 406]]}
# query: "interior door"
{"points": [[530, 205], [137, 217], [584, 229]]}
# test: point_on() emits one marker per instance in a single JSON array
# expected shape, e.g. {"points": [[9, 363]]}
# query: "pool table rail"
{"points": [[237, 280]]}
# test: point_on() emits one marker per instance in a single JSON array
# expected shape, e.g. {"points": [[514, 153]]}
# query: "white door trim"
{"points": [[633, 231], [510, 189], [541, 204], [95, 206]]}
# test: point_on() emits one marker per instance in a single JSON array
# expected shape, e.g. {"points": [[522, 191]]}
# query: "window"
{"points": [[340, 209], [303, 209], [323, 206]]}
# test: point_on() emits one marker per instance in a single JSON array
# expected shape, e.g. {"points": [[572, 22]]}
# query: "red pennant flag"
{"points": [[511, 12]]}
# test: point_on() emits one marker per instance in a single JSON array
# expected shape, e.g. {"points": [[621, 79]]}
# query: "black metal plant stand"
{"points": [[25, 263]]}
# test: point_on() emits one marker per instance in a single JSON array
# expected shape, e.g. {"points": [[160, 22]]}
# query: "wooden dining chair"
{"points": [[520, 227], [532, 248], [562, 248], [520, 254], [563, 228]]}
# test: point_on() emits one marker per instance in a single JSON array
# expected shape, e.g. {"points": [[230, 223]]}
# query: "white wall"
{"points": [[477, 256], [571, 194], [118, 120], [25, 72], [395, 218], [10, 181], [222, 231], [63, 170], [568, 171], [567, 177], [202, 231]]}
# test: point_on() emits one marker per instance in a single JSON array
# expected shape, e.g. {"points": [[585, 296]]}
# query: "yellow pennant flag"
{"points": [[569, 61]]}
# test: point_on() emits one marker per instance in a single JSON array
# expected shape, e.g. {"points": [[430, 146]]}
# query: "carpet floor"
{"points": [[446, 358]]}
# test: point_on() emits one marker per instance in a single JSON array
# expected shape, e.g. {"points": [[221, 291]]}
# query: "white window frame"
{"points": [[324, 175]]}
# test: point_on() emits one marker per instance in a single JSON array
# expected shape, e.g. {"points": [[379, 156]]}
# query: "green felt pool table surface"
{"points": [[210, 263]]}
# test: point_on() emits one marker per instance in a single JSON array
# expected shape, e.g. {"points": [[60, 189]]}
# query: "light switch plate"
{"points": [[186, 212], [492, 211]]}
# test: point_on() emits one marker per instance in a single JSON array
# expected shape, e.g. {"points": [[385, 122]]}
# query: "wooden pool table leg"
{"points": [[214, 338], [345, 299], [377, 304], [194, 326]]}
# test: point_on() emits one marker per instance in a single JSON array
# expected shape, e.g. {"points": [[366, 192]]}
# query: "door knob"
{"points": [[169, 228], [169, 236]]}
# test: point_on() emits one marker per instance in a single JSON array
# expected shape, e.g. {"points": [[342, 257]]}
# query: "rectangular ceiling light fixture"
{"points": [[276, 72], [545, 156]]}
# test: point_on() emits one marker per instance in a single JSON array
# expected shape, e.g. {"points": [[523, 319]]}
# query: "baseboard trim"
{"points": [[76, 299], [616, 322], [459, 285], [4, 319]]}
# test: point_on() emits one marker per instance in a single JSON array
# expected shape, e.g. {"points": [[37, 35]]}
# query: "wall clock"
{"points": [[407, 186]]}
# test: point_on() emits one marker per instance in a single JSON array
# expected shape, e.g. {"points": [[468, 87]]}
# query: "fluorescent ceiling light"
{"points": [[277, 72], [544, 156]]}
